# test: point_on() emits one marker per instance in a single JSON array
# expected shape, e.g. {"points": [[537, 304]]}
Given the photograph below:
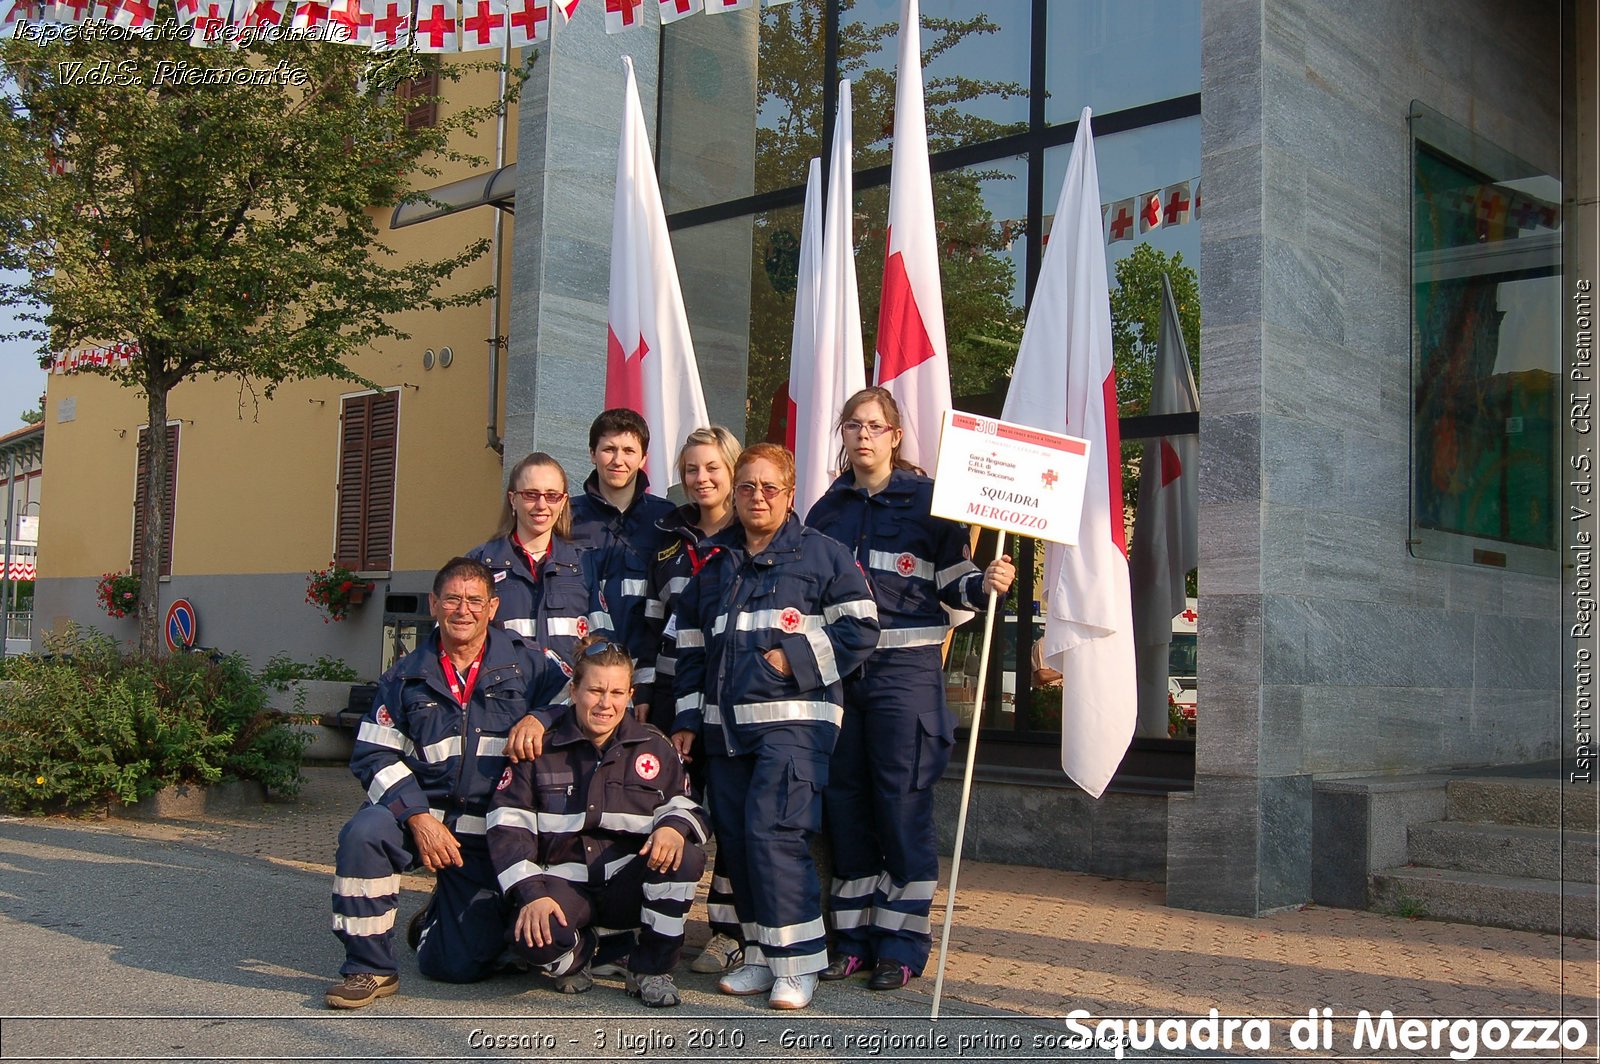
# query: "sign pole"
{"points": [[966, 789]]}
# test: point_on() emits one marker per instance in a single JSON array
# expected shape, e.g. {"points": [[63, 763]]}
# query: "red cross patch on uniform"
{"points": [[383, 718], [789, 620], [583, 627], [647, 766], [905, 565], [505, 780]]}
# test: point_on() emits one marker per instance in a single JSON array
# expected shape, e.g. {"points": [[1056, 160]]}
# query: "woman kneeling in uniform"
{"points": [[599, 831]]}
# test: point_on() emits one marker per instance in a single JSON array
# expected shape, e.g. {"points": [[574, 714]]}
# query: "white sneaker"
{"points": [[721, 954], [747, 979], [793, 991]]}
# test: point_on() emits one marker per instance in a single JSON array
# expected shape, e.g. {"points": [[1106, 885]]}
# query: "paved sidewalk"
{"points": [[1044, 942]]}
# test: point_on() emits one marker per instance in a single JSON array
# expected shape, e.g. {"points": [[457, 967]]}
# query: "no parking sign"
{"points": [[182, 625]]}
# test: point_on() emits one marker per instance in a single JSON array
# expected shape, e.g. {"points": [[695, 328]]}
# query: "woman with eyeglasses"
{"points": [[766, 630], [898, 731], [548, 593], [705, 466]]}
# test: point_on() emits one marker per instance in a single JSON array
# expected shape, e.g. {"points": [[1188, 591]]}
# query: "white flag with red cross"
{"points": [[567, 9], [483, 25], [391, 25], [1175, 204], [838, 367], [206, 24], [1064, 382], [527, 21], [1166, 531], [1150, 211], [715, 7], [623, 15], [352, 20], [263, 14], [436, 27], [1121, 220], [650, 363], [913, 362], [310, 16], [13, 12], [808, 279], [673, 10]]}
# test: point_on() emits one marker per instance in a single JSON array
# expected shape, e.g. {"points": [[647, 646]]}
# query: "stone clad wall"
{"points": [[1328, 648]]}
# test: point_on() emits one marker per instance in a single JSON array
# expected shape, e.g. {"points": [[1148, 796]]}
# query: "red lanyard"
{"points": [[462, 689], [696, 562], [533, 565]]}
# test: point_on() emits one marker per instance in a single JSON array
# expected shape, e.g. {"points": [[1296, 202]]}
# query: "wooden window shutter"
{"points": [[141, 486], [425, 89], [364, 523]]}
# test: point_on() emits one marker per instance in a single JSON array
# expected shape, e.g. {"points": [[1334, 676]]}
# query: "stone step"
{"points": [[1503, 850], [1509, 800], [1495, 901]]}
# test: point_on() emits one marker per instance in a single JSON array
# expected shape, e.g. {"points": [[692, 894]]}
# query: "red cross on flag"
{"points": [[673, 10], [139, 15], [913, 362], [254, 14], [1175, 200], [623, 15], [205, 28], [715, 7], [1121, 221], [352, 20], [837, 369], [650, 364], [1150, 211], [483, 25], [12, 12], [309, 15], [1064, 382], [436, 26], [808, 279], [1166, 531], [530, 21], [391, 25]]}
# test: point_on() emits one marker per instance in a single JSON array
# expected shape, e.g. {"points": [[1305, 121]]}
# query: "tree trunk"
{"points": [[155, 519]]}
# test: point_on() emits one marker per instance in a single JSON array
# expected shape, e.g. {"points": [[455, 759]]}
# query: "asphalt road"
{"points": [[120, 948]]}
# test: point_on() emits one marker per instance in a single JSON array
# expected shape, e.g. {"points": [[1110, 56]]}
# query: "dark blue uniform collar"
{"points": [[900, 491], [500, 651], [503, 553], [591, 488], [786, 541]]}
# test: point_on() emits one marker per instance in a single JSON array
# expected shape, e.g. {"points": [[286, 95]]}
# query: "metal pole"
{"points": [[966, 788], [494, 442], [8, 587]]}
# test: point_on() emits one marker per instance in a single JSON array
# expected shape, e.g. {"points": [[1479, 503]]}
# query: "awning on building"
{"points": [[495, 188]]}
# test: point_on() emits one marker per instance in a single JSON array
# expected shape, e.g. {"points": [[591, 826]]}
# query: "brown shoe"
{"points": [[360, 989]]}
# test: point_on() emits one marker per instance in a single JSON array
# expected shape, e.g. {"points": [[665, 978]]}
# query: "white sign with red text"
{"points": [[1012, 477]]}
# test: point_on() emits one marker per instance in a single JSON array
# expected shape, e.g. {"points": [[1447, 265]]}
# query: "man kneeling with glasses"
{"points": [[596, 833]]}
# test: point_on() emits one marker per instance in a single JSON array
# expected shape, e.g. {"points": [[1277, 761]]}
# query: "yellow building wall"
{"points": [[257, 480]]}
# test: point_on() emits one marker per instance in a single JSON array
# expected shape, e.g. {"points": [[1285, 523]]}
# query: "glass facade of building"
{"points": [[744, 108]]}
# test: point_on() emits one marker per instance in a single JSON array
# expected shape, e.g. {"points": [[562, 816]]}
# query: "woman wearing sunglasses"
{"points": [[897, 731], [765, 631], [548, 593], [599, 831]]}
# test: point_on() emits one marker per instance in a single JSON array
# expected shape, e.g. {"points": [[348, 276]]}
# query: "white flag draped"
{"points": [[1064, 382], [1166, 530], [913, 362], [650, 364], [803, 338], [838, 368]]}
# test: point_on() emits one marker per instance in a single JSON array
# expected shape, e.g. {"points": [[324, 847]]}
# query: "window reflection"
{"points": [[1111, 54]]}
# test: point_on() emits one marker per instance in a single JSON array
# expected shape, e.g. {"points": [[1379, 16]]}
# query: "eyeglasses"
{"points": [[870, 429], [474, 604], [747, 490], [549, 498], [596, 649]]}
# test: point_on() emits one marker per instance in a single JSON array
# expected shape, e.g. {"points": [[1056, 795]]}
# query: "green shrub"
{"points": [[88, 725]]}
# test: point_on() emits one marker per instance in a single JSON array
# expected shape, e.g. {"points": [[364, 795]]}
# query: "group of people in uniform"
{"points": [[614, 680]]}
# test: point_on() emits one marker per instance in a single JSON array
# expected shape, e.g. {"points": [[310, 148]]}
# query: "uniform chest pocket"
{"points": [[556, 799], [565, 595], [502, 708], [630, 803]]}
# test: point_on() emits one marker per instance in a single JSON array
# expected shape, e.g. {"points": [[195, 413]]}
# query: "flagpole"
{"points": [[966, 786]]}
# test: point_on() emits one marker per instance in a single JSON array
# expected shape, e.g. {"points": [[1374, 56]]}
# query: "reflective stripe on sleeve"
{"points": [[891, 638], [888, 562], [554, 823], [523, 626], [681, 806], [509, 816], [950, 574], [385, 779], [631, 823], [378, 735], [691, 637], [857, 608], [636, 588], [471, 825], [491, 745], [442, 751]]}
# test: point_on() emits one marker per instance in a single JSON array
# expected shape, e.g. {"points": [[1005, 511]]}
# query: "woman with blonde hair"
{"points": [[548, 594]]}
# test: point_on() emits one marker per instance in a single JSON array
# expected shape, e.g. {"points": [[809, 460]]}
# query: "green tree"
{"points": [[32, 417], [225, 229]]}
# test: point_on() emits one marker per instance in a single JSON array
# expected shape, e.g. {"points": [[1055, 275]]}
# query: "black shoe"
{"points": [[841, 966], [889, 975], [414, 928]]}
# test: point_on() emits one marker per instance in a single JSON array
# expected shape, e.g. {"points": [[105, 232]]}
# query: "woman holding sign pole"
{"points": [[897, 732]]}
